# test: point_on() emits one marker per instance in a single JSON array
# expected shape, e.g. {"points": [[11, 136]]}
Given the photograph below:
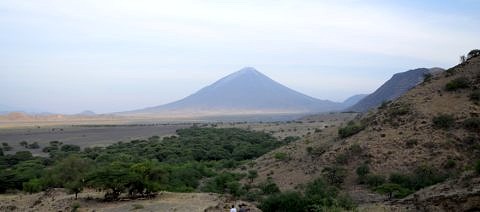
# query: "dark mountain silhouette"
{"points": [[246, 90], [392, 89]]}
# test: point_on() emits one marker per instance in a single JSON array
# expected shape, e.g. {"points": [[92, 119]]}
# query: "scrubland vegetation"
{"points": [[141, 167]]}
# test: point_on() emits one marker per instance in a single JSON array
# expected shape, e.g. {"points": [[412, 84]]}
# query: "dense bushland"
{"points": [[141, 167]]}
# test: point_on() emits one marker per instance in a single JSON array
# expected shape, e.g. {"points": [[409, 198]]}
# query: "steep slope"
{"points": [[246, 90], [392, 89], [432, 131]]}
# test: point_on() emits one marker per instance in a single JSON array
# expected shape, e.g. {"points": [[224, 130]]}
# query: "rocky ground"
{"points": [[58, 200]]}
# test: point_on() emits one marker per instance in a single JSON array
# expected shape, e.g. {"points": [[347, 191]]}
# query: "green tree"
{"points": [[114, 178], [252, 174], [393, 190], [70, 148], [33, 185], [70, 173], [334, 175], [284, 202]]}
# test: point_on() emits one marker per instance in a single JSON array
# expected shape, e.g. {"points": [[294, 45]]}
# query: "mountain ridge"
{"points": [[393, 88]]}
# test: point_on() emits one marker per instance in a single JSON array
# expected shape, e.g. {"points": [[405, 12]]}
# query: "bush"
{"points": [[75, 206], [401, 179], [70, 148], [252, 174], [384, 104], [281, 156], [393, 190], [426, 176], [284, 202], [352, 128], [137, 206], [342, 159], [450, 164], [319, 192], [33, 145], [373, 180], [334, 175], [458, 83], [362, 170], [427, 77], [269, 187], [33, 186], [472, 124], [399, 109], [411, 143], [443, 121], [475, 95], [477, 167]]}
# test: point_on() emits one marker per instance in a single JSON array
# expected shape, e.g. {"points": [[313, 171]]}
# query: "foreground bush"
{"points": [[443, 121], [352, 128], [458, 83], [319, 196]]}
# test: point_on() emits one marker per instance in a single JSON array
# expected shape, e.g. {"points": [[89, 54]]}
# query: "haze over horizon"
{"points": [[110, 56]]}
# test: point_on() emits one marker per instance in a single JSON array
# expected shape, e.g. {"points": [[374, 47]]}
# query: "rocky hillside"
{"points": [[428, 135]]}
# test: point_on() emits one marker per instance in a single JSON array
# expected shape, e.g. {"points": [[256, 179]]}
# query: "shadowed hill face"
{"points": [[392, 89], [247, 90]]}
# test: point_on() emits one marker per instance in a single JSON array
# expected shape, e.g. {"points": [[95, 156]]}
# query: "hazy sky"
{"points": [[68, 56]]}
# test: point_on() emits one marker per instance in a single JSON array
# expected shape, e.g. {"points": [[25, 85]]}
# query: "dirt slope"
{"points": [[397, 138]]}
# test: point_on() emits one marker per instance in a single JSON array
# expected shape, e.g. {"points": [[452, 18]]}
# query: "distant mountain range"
{"points": [[392, 89], [246, 91]]}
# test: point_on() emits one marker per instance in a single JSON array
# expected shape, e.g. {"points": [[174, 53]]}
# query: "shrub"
{"points": [[24, 144], [269, 187], [450, 164], [472, 124], [373, 180], [475, 95], [443, 121], [473, 53], [399, 110], [334, 175], [352, 128], [411, 143], [137, 206], [281, 156], [49, 149], [284, 202], [33, 186], [75, 206], [477, 167], [70, 148], [252, 174], [393, 190], [342, 159], [33, 145], [309, 150], [426, 176], [458, 83], [401, 179], [321, 193], [362, 170], [384, 104], [427, 77]]}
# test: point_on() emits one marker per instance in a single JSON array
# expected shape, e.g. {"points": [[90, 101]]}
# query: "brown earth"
{"points": [[397, 138], [58, 200]]}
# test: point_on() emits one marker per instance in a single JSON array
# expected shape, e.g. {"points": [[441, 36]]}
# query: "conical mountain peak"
{"points": [[247, 90]]}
